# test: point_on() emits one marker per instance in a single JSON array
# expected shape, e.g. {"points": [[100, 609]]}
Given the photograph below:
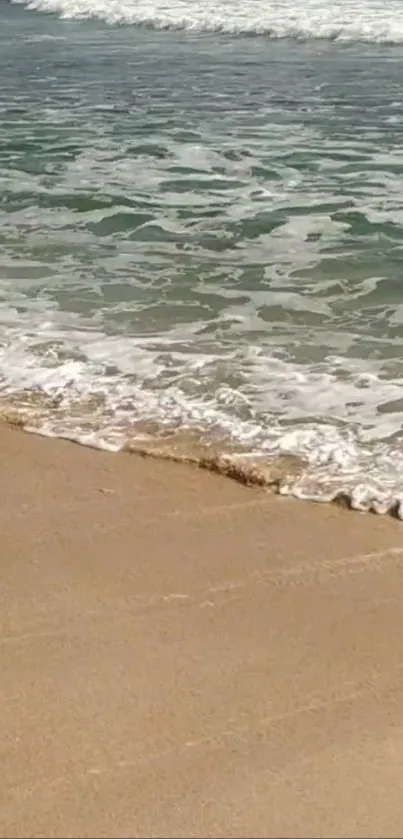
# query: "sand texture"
{"points": [[184, 656]]}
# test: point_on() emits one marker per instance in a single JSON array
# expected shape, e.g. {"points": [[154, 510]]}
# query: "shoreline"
{"points": [[182, 656], [255, 471]]}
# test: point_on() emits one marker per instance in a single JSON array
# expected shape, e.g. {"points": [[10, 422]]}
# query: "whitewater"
{"points": [[345, 20]]}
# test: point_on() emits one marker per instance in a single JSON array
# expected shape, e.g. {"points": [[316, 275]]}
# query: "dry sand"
{"points": [[182, 656]]}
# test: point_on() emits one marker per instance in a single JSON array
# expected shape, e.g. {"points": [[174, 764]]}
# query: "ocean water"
{"points": [[201, 231]]}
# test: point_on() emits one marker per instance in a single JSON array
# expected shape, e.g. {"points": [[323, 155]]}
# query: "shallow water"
{"points": [[201, 229]]}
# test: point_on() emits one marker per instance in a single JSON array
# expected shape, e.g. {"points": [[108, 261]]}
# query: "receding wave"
{"points": [[344, 20]]}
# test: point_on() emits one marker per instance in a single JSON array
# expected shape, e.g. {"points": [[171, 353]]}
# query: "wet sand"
{"points": [[184, 656]]}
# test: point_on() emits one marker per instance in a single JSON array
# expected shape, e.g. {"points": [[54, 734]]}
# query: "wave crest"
{"points": [[345, 20]]}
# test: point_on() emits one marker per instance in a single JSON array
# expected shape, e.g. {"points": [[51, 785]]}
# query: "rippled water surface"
{"points": [[201, 228]]}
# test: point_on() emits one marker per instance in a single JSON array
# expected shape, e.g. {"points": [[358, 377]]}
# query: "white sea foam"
{"points": [[344, 20], [82, 384]]}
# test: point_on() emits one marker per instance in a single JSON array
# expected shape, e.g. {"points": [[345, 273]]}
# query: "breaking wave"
{"points": [[343, 20]]}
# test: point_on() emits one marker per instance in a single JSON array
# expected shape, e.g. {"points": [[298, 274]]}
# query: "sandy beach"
{"points": [[183, 656]]}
